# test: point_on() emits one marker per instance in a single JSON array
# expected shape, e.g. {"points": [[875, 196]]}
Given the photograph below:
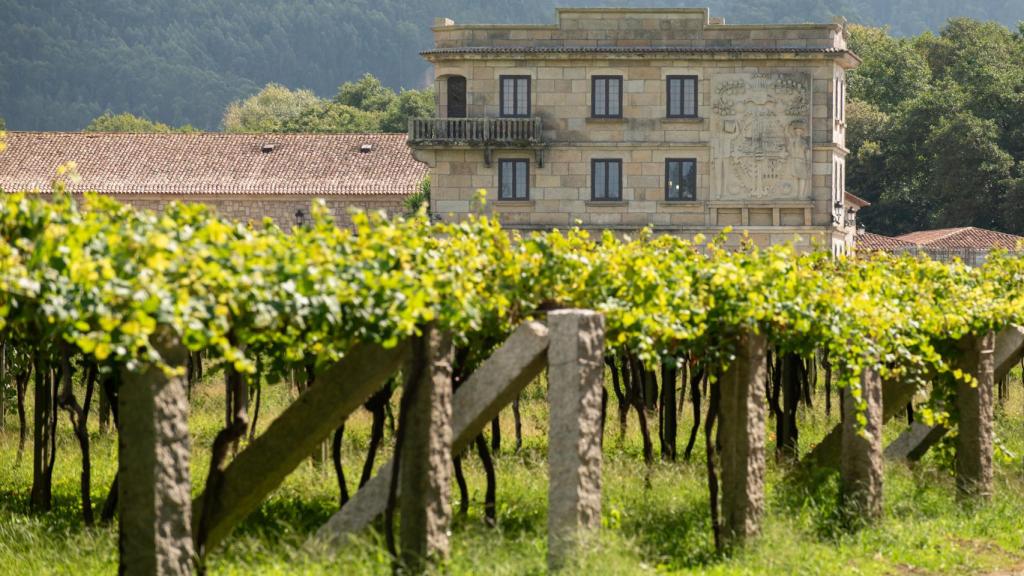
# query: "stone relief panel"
{"points": [[761, 130]]}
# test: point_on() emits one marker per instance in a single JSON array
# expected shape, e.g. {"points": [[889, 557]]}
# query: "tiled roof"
{"points": [[874, 242], [214, 163], [963, 238], [629, 50]]}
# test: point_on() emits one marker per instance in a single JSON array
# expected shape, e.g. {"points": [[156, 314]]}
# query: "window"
{"points": [[680, 179], [681, 96], [513, 179], [606, 179], [606, 97], [515, 96], [839, 106]]}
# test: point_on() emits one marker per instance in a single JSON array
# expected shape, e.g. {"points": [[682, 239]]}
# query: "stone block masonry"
{"points": [[575, 376], [285, 211], [762, 131]]}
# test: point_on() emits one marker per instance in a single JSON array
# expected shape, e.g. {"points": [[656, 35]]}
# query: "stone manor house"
{"points": [[610, 119], [624, 118]]}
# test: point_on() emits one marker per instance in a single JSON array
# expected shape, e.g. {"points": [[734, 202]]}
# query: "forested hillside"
{"points": [[65, 62]]}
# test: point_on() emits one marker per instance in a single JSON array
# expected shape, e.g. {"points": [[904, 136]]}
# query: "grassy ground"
{"points": [[655, 520]]}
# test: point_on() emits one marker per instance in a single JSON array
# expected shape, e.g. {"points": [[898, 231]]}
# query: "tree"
{"points": [[867, 131], [408, 104], [892, 72], [332, 117], [267, 111], [367, 94], [127, 122], [967, 174]]}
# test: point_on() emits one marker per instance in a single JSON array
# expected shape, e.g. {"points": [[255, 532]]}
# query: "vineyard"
{"points": [[394, 348]]}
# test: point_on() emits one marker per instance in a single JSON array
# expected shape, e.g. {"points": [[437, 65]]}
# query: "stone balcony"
{"points": [[484, 133], [475, 132]]}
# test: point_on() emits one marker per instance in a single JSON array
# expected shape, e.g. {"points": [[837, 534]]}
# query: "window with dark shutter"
{"points": [[514, 180], [606, 97], [681, 97], [606, 179], [680, 179], [515, 96]]}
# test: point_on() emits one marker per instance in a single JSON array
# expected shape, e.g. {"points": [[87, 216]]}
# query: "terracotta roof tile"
{"points": [[963, 238], [874, 242], [214, 163]]}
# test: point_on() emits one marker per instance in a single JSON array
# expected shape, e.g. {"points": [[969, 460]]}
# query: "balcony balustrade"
{"points": [[489, 132]]}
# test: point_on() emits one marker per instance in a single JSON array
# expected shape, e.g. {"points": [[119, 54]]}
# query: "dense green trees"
{"points": [[126, 122], [65, 62], [269, 110], [935, 128], [362, 106]]}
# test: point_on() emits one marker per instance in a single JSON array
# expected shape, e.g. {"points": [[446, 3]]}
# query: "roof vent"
{"points": [[267, 148], [365, 148]]}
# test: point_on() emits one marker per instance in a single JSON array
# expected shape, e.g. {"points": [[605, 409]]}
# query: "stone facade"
{"points": [[767, 133], [285, 211]]}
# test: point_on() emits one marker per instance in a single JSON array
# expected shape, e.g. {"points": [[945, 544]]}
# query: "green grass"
{"points": [[655, 520]]}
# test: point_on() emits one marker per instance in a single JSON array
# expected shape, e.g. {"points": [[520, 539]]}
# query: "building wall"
{"points": [[282, 209], [794, 98], [626, 27]]}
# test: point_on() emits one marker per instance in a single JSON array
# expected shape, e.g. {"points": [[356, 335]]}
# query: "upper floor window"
{"points": [[606, 97], [681, 96], [513, 179], [839, 106], [515, 96], [605, 179], [680, 179]]}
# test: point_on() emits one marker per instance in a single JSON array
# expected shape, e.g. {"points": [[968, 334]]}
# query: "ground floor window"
{"points": [[680, 179], [514, 179], [606, 179]]}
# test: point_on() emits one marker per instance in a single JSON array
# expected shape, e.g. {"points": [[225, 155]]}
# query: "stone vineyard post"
{"points": [[974, 404], [575, 376], [860, 469], [154, 486], [741, 430], [425, 461]]}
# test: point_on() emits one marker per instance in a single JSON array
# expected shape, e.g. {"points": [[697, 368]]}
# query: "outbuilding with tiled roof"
{"points": [[245, 176], [867, 241], [967, 238]]}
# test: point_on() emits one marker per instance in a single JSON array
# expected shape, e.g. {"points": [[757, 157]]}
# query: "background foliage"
{"points": [[934, 128], [64, 62]]}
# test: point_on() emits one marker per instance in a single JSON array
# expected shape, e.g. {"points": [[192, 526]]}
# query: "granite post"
{"points": [[154, 484], [741, 429], [575, 376]]}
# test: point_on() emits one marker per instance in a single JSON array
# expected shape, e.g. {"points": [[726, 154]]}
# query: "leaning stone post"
{"points": [[575, 376], [974, 404], [154, 487], [426, 456], [860, 469], [741, 432]]}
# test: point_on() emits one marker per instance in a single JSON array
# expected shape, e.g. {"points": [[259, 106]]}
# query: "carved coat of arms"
{"points": [[761, 136]]}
